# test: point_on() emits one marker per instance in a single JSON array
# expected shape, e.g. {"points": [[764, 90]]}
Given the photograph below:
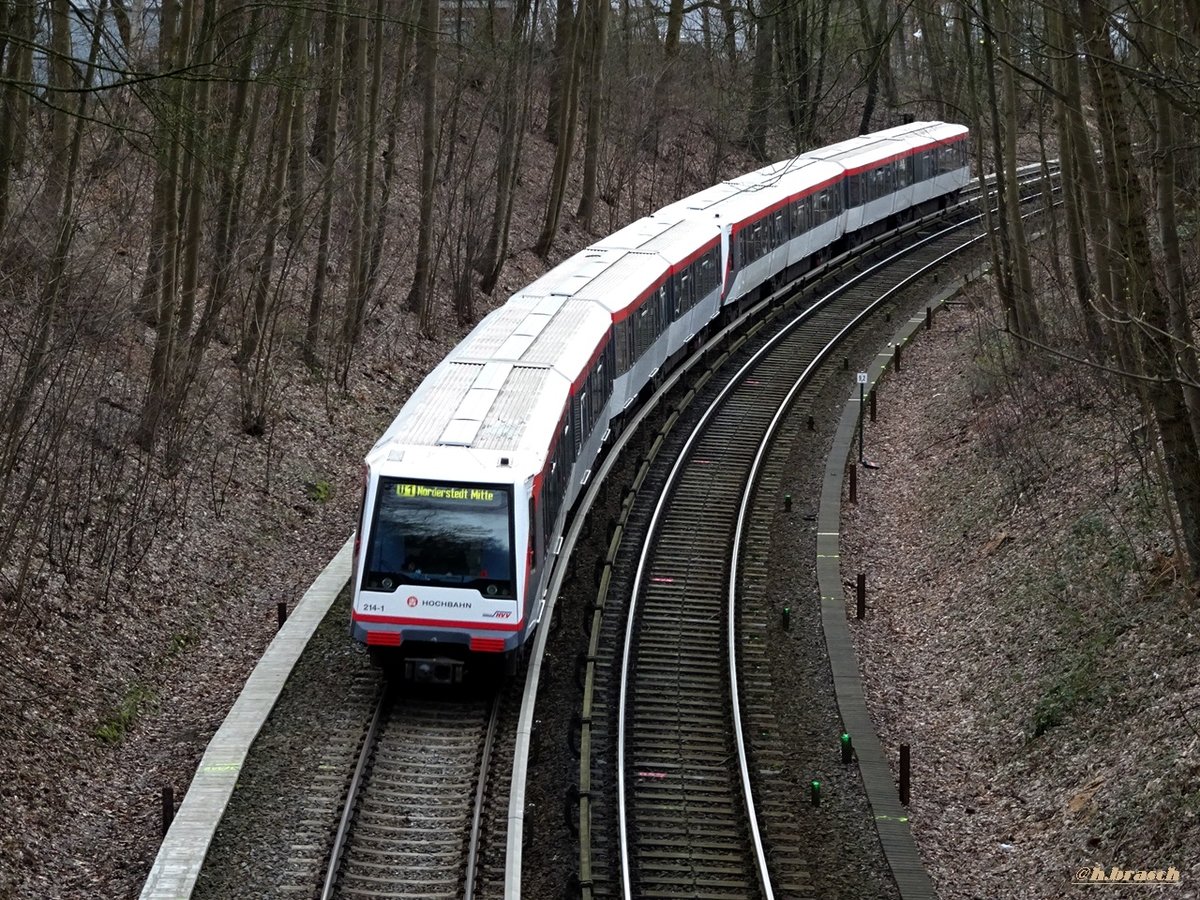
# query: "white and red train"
{"points": [[467, 492]]}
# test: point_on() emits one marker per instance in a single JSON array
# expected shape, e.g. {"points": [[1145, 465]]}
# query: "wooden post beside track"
{"points": [[168, 808]]}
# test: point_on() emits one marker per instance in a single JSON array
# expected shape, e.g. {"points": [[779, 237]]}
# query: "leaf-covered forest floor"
{"points": [[1027, 633]]}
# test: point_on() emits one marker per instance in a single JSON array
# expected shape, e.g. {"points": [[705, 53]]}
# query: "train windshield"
{"points": [[448, 535]]}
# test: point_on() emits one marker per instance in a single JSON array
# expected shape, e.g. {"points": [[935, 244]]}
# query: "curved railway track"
{"points": [[688, 823], [412, 819]]}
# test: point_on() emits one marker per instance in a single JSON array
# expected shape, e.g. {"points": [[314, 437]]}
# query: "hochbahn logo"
{"points": [[1118, 875]]}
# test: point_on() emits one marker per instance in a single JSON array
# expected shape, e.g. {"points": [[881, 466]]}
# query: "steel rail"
{"points": [[480, 796], [623, 824], [343, 830]]}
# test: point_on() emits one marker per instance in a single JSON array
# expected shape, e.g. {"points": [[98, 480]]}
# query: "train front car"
{"points": [[440, 574]]}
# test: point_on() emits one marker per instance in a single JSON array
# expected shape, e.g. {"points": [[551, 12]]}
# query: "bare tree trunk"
{"points": [[389, 153], [598, 32], [359, 131], [197, 158], [166, 245], [566, 146], [297, 158], [1029, 320], [326, 128], [14, 113], [876, 38], [59, 70], [1083, 157], [35, 361], [1070, 176], [730, 43], [560, 69], [513, 113], [253, 374], [1148, 312], [333, 45], [419, 296], [999, 235], [943, 98], [1165, 156], [760, 84]]}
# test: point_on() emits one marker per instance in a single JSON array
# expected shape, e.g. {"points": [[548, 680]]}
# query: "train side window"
{"points": [[578, 404], [534, 555], [596, 394], [645, 327], [706, 282], [781, 229]]}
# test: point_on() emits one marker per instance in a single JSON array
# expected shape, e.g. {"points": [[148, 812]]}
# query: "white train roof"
{"points": [[771, 186], [636, 234], [684, 241], [502, 389], [858, 154], [677, 240], [622, 283], [497, 398]]}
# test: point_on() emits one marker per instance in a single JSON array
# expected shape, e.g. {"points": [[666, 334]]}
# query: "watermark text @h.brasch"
{"points": [[1119, 875]]}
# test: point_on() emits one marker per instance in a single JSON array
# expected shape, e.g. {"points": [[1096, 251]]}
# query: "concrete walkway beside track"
{"points": [[891, 818], [181, 855]]}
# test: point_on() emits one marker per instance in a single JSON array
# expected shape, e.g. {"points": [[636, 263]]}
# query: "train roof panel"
{"points": [[623, 282], [512, 410], [701, 200], [635, 235], [494, 329], [565, 278], [679, 243], [569, 340], [794, 170], [798, 182], [432, 405]]}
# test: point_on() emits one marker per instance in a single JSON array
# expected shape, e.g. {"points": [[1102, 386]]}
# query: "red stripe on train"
{"points": [[383, 638], [487, 645]]}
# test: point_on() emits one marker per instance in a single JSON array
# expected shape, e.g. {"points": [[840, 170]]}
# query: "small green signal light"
{"points": [[816, 793], [847, 748]]}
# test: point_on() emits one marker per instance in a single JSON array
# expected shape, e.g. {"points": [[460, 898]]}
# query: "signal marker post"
{"points": [[862, 387]]}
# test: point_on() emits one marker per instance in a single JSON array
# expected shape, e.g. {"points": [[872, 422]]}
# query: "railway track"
{"points": [[700, 806], [415, 808]]}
